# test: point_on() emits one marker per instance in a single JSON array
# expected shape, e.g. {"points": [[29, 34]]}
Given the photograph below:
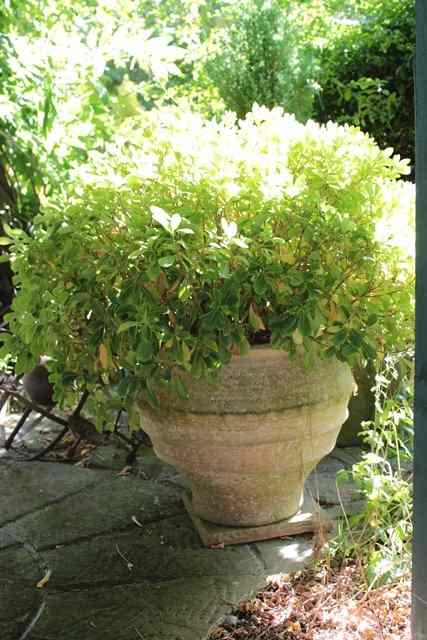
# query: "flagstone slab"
{"points": [[165, 550], [123, 558], [179, 609], [19, 573], [29, 486], [108, 506]]}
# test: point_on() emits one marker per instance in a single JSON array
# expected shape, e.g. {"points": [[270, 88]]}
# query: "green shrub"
{"points": [[367, 75], [64, 88], [257, 59], [192, 239], [380, 535], [58, 100]]}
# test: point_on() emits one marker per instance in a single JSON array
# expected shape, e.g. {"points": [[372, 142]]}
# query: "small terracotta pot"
{"points": [[248, 441], [36, 383]]}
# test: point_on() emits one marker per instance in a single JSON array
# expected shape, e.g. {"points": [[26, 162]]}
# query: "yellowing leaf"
{"points": [[186, 352], [286, 255], [255, 321], [333, 315], [297, 337], [103, 356], [43, 582]]}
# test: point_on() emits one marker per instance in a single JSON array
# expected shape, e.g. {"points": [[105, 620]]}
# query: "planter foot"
{"points": [[308, 519]]}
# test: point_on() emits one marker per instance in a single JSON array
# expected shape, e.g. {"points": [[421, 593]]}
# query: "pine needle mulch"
{"points": [[321, 604]]}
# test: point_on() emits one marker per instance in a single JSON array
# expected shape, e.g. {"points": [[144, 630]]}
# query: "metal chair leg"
{"points": [[18, 427]]}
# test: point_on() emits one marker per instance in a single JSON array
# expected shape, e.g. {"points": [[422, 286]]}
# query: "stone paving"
{"points": [[121, 556]]}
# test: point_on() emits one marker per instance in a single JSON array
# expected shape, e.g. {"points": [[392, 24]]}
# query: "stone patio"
{"points": [[119, 554]]}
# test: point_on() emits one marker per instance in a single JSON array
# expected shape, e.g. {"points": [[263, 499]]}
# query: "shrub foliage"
{"points": [[367, 75], [258, 58], [193, 238]]}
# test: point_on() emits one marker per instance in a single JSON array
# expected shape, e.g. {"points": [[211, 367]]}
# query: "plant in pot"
{"points": [[222, 278]]}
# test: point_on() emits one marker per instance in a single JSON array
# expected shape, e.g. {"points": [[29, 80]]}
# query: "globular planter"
{"points": [[37, 385], [248, 441], [192, 241]]}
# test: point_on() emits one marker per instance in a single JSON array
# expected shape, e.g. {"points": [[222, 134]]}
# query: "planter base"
{"points": [[309, 518]]}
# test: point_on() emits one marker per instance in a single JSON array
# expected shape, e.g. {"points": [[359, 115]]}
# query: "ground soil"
{"points": [[321, 604]]}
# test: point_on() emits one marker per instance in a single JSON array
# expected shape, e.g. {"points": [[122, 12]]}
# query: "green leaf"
{"points": [[134, 181], [180, 388], [184, 292], [284, 326], [355, 338], [145, 349], [186, 352], [260, 286], [167, 261], [13, 233], [153, 272], [340, 337], [126, 325], [342, 476], [198, 366], [372, 319], [244, 346], [5, 241], [369, 351], [305, 324], [151, 396], [296, 278]]}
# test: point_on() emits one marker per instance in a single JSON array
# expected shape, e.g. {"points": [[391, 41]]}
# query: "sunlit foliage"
{"points": [[59, 97], [190, 237]]}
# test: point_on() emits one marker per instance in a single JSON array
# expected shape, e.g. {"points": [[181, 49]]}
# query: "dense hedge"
{"points": [[260, 56], [367, 77], [342, 60]]}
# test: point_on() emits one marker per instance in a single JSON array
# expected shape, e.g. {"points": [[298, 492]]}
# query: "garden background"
{"points": [[74, 79]]}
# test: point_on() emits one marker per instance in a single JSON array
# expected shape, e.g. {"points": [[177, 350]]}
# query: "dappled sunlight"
{"points": [[322, 604], [206, 231], [296, 551]]}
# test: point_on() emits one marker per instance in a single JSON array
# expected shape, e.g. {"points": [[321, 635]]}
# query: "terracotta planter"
{"points": [[248, 442]]}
